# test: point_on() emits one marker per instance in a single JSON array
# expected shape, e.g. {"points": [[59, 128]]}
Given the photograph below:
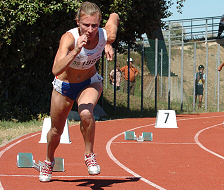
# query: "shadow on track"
{"points": [[98, 184]]}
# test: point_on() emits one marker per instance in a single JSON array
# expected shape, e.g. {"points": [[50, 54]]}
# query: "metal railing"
{"points": [[192, 29]]}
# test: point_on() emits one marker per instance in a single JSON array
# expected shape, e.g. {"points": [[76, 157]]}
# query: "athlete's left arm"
{"points": [[111, 27]]}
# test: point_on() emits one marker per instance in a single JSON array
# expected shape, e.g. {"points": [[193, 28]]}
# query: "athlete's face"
{"points": [[89, 25]]}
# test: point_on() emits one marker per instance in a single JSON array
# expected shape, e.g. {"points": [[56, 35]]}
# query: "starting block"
{"points": [[147, 136], [130, 135], [25, 160]]}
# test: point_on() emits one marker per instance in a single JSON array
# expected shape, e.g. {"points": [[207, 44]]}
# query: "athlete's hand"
{"points": [[82, 40], [109, 52]]}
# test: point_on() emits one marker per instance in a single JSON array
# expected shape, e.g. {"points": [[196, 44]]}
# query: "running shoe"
{"points": [[46, 171], [92, 165]]}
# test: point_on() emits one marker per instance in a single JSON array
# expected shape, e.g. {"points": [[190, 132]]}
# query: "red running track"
{"points": [[188, 157]]}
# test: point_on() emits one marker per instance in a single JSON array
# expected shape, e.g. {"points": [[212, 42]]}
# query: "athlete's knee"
{"points": [[85, 115], [54, 132]]}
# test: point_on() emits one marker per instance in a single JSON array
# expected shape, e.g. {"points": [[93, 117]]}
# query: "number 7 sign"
{"points": [[166, 119]]}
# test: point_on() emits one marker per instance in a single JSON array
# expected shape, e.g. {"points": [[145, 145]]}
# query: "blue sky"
{"points": [[198, 9]]}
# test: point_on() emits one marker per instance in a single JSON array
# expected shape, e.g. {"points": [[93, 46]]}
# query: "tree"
{"points": [[136, 16], [30, 32]]}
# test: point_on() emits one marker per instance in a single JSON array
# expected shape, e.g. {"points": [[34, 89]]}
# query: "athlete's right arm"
{"points": [[63, 58]]}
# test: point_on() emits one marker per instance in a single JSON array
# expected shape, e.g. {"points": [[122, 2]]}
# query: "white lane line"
{"points": [[9, 147], [12, 145], [153, 143], [203, 147], [200, 117], [132, 172], [89, 176], [124, 167]]}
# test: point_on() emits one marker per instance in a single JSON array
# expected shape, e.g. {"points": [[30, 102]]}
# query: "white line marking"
{"points": [[89, 176], [200, 117], [153, 143], [123, 166], [199, 144], [5, 175], [130, 171], [108, 146], [12, 145]]}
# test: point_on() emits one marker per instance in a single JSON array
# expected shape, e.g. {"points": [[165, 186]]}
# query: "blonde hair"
{"points": [[88, 8]]}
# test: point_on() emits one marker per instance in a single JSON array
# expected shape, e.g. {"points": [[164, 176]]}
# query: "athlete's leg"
{"points": [[60, 108], [86, 102]]}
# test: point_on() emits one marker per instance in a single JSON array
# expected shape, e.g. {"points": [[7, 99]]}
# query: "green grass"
{"points": [[121, 110], [10, 130]]}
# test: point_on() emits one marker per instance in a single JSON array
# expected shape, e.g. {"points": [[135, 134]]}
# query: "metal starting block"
{"points": [[147, 136], [25, 160], [130, 135]]}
